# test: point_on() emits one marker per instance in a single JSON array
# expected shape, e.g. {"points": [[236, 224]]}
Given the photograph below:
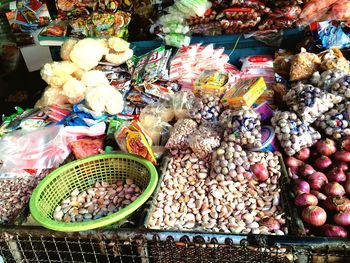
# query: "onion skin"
{"points": [[342, 218], [303, 154], [260, 171], [336, 175], [347, 187], [326, 147], [320, 196], [346, 143], [334, 189], [306, 170], [314, 215], [342, 165], [271, 223], [301, 187], [342, 156], [317, 180], [337, 203], [293, 162], [334, 231], [323, 163], [294, 171], [305, 200]]}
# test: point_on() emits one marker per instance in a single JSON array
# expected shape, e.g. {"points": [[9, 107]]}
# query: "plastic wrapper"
{"points": [[314, 10], [258, 66], [342, 87], [310, 102], [207, 108], [86, 147], [132, 138], [290, 12], [238, 26], [183, 103], [336, 122], [235, 13], [43, 148], [293, 133], [242, 127], [282, 63], [326, 80], [212, 82], [204, 140], [333, 59], [179, 135], [340, 10], [177, 40], [304, 65], [209, 16], [330, 34]]}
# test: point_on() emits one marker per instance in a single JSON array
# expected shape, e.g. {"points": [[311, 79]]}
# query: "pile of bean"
{"points": [[242, 127], [179, 135], [293, 133], [342, 87], [101, 200], [310, 102], [336, 122], [191, 199], [327, 78], [204, 140], [207, 108]]}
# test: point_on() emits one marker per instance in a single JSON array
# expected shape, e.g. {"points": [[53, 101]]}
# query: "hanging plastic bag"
{"points": [[183, 102]]}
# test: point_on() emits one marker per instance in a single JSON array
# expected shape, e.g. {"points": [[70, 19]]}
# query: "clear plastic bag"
{"points": [[182, 103], [242, 127], [293, 133], [43, 148], [310, 102], [180, 133], [207, 108]]}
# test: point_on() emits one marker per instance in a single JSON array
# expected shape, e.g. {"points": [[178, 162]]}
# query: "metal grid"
{"points": [[39, 245]]}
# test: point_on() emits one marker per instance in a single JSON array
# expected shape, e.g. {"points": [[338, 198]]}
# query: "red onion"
{"points": [[342, 156], [319, 195], [346, 144], [347, 176], [326, 147], [334, 189], [306, 170], [271, 223], [260, 171], [305, 200], [303, 154], [347, 187], [342, 165], [322, 162], [293, 162], [301, 187], [334, 231], [337, 203], [317, 180], [336, 175], [294, 172], [314, 215], [342, 218]]}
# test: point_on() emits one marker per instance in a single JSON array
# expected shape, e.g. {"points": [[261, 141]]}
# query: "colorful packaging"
{"points": [[211, 81], [268, 139], [86, 147], [244, 93]]}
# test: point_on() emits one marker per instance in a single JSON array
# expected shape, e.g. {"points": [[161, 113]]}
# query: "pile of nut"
{"points": [[342, 87], [207, 108], [310, 102], [190, 198], [242, 127], [101, 200], [293, 133], [336, 122], [179, 134]]}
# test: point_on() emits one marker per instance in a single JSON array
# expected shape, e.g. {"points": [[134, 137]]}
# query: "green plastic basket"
{"points": [[83, 174]]}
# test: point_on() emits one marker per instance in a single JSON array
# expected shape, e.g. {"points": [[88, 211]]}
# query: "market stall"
{"points": [[221, 150]]}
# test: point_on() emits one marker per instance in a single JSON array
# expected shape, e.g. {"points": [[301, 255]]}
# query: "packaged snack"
{"points": [[265, 111], [180, 133], [293, 133], [244, 93], [310, 102], [211, 81], [242, 127], [86, 147], [304, 65], [132, 138], [256, 66]]}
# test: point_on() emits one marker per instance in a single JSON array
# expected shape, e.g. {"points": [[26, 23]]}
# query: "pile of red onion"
{"points": [[322, 186]]}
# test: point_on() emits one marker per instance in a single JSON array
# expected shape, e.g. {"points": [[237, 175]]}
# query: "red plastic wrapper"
{"points": [[315, 10], [289, 12], [86, 147]]}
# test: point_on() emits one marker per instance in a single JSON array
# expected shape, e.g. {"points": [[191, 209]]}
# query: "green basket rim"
{"points": [[97, 223]]}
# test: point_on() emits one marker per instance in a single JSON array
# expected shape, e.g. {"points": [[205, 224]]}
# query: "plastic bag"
{"points": [[340, 10], [293, 133], [180, 133], [313, 10], [207, 108], [204, 140], [86, 147], [342, 87], [304, 65], [182, 104], [336, 121], [242, 127], [43, 148], [310, 102]]}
